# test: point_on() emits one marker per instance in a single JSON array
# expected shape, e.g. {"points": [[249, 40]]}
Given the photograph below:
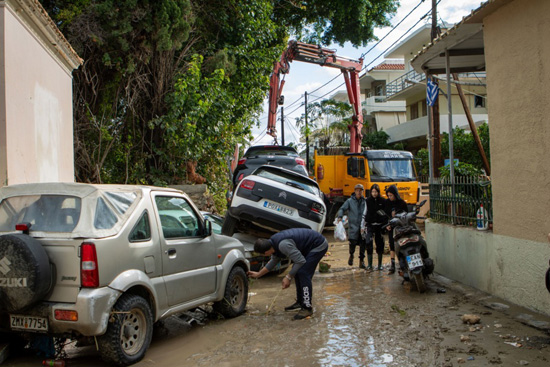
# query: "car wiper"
{"points": [[293, 184]]}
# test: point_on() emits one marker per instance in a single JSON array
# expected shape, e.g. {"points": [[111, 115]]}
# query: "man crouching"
{"points": [[305, 248]]}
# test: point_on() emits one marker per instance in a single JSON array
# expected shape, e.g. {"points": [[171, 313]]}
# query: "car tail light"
{"points": [[89, 274], [66, 315], [241, 161], [25, 227], [240, 177], [317, 208], [247, 184], [300, 161]]}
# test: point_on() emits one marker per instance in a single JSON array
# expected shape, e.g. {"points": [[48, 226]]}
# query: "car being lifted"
{"points": [[275, 198]]}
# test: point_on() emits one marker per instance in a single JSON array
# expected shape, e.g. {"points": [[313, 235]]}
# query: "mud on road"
{"points": [[360, 319]]}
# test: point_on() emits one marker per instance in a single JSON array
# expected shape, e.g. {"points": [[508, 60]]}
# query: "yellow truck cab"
{"points": [[337, 175]]}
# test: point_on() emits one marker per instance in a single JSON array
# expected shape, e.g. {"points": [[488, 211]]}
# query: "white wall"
{"points": [[38, 122]]}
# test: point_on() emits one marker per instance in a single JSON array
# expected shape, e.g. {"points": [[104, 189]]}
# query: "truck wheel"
{"points": [[235, 295], [25, 266], [129, 331], [229, 225]]}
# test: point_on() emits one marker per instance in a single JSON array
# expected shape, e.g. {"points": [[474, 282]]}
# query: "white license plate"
{"points": [[278, 208], [414, 261], [32, 323]]}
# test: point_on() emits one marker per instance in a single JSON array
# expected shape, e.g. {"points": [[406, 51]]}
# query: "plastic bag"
{"points": [[340, 232]]}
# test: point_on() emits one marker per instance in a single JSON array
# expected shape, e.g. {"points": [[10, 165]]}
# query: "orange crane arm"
{"points": [[314, 54]]}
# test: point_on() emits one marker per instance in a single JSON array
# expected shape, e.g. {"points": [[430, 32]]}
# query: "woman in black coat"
{"points": [[394, 204], [373, 222]]}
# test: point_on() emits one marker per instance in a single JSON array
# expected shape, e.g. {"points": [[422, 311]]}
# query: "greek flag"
{"points": [[432, 90]]}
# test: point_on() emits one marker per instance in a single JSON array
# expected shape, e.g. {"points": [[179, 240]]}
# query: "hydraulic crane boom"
{"points": [[314, 54]]}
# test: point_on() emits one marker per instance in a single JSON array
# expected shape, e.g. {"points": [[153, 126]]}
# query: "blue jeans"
{"points": [[304, 289]]}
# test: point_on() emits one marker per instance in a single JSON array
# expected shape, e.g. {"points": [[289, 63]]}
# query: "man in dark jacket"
{"points": [[305, 248], [355, 207]]}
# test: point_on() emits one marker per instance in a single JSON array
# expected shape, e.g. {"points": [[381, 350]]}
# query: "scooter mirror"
{"points": [[420, 204]]}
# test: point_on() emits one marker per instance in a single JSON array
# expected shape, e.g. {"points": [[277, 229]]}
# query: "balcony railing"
{"points": [[401, 83]]}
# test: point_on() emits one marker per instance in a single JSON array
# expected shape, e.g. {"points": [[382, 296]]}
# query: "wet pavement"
{"points": [[360, 319]]}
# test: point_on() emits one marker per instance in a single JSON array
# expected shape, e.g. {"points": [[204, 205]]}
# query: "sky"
{"points": [[309, 77]]}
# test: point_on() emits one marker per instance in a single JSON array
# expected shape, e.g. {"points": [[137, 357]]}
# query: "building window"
{"points": [[479, 102], [414, 111]]}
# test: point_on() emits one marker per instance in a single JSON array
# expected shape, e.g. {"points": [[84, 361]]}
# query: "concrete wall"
{"points": [[517, 54], [507, 267], [385, 120], [36, 123]]}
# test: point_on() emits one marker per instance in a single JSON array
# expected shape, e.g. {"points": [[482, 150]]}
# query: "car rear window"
{"points": [[256, 151], [286, 178], [45, 213]]}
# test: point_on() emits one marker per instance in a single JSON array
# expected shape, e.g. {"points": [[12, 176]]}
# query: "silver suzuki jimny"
{"points": [[107, 261]]}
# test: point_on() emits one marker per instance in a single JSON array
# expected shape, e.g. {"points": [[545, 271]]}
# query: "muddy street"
{"points": [[360, 319]]}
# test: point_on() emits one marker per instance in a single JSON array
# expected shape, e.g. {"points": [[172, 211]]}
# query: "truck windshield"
{"points": [[389, 170]]}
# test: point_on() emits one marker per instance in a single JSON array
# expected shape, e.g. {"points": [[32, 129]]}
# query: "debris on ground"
{"points": [[324, 267], [470, 319], [398, 310], [464, 338], [513, 344]]}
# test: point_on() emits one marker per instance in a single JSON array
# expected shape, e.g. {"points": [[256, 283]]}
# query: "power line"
{"points": [[399, 39], [383, 52], [297, 99], [391, 30], [296, 109], [330, 81], [364, 54], [292, 132], [259, 137]]}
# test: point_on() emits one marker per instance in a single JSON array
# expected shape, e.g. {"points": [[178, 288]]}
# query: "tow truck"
{"points": [[337, 174]]}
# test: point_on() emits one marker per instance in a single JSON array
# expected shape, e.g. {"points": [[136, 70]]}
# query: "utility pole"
{"points": [[282, 125], [436, 132], [307, 138]]}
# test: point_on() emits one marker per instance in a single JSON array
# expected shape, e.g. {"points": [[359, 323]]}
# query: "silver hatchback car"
{"points": [[110, 260]]}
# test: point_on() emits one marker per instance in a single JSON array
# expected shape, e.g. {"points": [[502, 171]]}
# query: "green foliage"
{"points": [[422, 162], [464, 146], [379, 140], [319, 113], [165, 82], [462, 169], [335, 21]]}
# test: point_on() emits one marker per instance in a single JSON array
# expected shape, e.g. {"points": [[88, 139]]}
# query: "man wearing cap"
{"points": [[355, 207]]}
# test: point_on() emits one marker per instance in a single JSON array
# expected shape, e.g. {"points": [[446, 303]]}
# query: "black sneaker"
{"points": [[350, 260], [294, 307], [392, 269], [303, 313], [362, 265]]}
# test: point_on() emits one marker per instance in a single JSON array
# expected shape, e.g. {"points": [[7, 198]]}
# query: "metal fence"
{"points": [[458, 202]]}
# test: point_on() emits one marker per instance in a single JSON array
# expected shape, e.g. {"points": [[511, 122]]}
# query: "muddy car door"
{"points": [[188, 253]]}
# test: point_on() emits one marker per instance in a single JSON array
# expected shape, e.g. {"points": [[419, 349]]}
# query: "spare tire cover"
{"points": [[25, 273]]}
